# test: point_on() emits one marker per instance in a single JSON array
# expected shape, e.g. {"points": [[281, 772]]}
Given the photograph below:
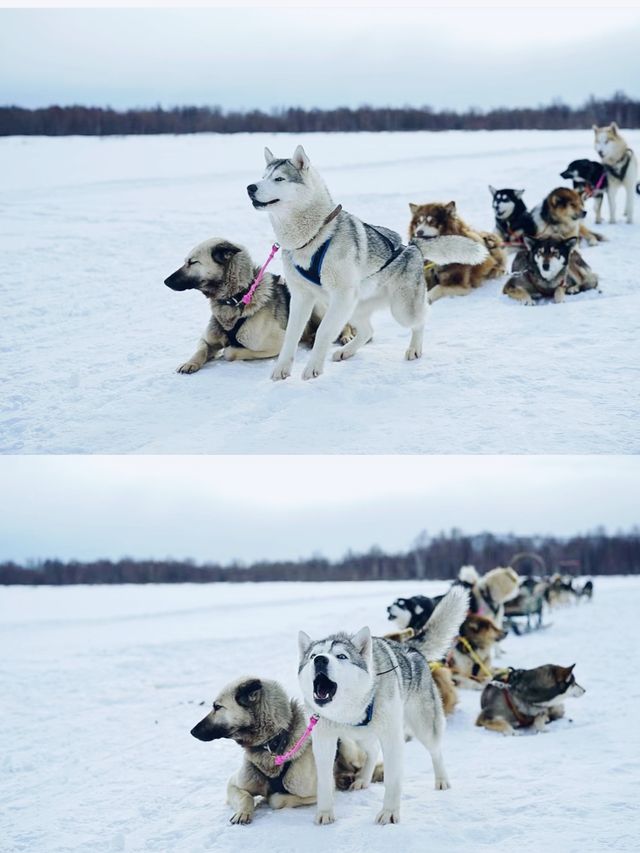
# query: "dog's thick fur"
{"points": [[513, 220], [257, 714], [223, 271], [560, 216], [548, 268], [473, 668], [527, 697], [368, 689], [439, 220], [621, 165]]}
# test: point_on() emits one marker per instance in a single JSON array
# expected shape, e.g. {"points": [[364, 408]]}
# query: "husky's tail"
{"points": [[444, 623], [451, 249]]}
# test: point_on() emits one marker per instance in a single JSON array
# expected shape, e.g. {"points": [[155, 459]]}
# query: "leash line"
{"points": [[246, 299], [280, 759]]}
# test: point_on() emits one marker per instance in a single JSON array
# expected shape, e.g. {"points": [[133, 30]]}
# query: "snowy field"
{"points": [[101, 686], [91, 336]]}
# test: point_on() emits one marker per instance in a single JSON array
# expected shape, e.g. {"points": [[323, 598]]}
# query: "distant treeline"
{"points": [[97, 121], [438, 557]]}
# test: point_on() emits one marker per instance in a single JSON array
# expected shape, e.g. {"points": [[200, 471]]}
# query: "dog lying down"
{"points": [[224, 272], [258, 715], [527, 698]]}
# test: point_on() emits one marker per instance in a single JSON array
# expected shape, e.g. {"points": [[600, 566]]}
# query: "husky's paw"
{"points": [[241, 818], [312, 371], [342, 354], [388, 816], [443, 784], [281, 371], [359, 785], [323, 818], [413, 353], [188, 367]]}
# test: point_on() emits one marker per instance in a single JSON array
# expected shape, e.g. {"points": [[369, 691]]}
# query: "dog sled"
{"points": [[524, 613]]}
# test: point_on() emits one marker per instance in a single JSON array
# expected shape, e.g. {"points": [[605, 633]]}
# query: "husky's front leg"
{"points": [[302, 302], [611, 197], [630, 189], [339, 312], [324, 752], [598, 208], [392, 743]]}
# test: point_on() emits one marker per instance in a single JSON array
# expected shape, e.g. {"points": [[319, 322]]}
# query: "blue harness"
{"points": [[314, 271], [368, 714]]}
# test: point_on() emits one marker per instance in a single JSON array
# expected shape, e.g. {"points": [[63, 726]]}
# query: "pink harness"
{"points": [[280, 759], [249, 294]]}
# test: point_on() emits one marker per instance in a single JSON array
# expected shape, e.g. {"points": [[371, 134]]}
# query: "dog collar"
{"points": [[236, 300], [327, 220], [276, 744], [368, 714]]}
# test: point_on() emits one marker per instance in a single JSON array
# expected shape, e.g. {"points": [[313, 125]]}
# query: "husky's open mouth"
{"points": [[323, 689], [256, 203]]}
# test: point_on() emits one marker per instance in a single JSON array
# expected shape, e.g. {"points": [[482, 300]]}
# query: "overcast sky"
{"points": [[223, 508], [272, 57]]}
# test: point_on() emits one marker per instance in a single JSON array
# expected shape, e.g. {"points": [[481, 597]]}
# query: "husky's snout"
{"points": [[321, 663], [252, 189]]}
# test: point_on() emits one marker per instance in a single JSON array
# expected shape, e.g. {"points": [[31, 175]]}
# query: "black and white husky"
{"points": [[513, 221], [368, 689], [332, 258]]}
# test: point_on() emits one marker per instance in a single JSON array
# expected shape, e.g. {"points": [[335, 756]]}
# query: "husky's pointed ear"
{"points": [[450, 207], [595, 128], [300, 159], [614, 128], [362, 641], [492, 190], [414, 208], [268, 156], [530, 242], [304, 641], [249, 692], [571, 243], [518, 193]]}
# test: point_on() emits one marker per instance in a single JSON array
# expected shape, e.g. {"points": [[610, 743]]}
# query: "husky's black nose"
{"points": [[321, 662], [252, 189]]}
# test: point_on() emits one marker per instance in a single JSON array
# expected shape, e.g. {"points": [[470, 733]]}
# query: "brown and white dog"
{"points": [[560, 215], [438, 220], [621, 166], [470, 659]]}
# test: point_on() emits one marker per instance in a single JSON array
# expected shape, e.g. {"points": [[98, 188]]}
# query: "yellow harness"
{"points": [[474, 656]]}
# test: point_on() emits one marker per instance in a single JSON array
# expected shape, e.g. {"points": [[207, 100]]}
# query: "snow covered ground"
{"points": [[101, 686], [91, 337]]}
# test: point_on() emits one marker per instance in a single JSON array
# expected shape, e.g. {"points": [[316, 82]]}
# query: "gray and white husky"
{"points": [[332, 258], [369, 689]]}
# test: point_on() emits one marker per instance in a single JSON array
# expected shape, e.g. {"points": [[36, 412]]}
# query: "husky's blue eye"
{"points": [[341, 656]]}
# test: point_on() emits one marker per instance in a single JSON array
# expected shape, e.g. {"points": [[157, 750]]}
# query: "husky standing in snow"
{"points": [[334, 258], [621, 167], [367, 689]]}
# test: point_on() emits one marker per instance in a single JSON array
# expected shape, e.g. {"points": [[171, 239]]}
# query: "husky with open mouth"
{"points": [[368, 689], [353, 268]]}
